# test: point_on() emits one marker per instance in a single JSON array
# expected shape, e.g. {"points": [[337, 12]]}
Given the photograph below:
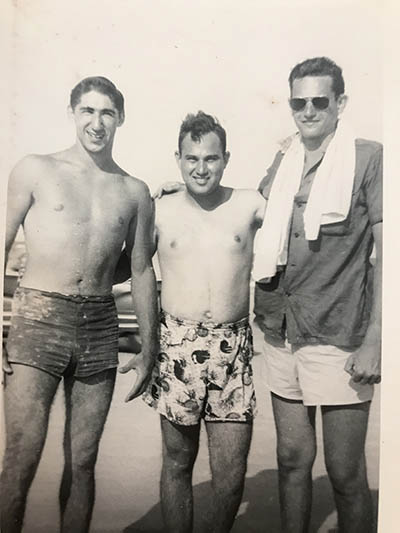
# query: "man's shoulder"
{"points": [[167, 201], [136, 186], [33, 161], [31, 167], [367, 147], [251, 197]]}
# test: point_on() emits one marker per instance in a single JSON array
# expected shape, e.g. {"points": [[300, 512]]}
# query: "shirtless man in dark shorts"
{"points": [[77, 208]]}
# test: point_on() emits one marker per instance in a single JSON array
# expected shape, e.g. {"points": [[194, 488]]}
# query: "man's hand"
{"points": [[143, 365], [364, 365], [6, 365], [169, 187]]}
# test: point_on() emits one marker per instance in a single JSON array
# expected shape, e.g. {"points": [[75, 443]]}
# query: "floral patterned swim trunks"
{"points": [[203, 370]]}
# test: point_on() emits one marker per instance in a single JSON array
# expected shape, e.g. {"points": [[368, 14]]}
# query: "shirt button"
{"points": [[296, 234]]}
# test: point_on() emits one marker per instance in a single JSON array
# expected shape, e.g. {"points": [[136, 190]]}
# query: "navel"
{"points": [[237, 238], [172, 244]]}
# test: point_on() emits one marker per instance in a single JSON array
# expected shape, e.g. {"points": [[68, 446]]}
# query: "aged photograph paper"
{"points": [[229, 61]]}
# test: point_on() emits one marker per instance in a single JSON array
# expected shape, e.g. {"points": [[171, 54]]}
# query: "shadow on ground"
{"points": [[259, 511]]}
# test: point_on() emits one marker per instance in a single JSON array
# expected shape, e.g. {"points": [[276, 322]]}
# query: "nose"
{"points": [[97, 122], [309, 110], [201, 168]]}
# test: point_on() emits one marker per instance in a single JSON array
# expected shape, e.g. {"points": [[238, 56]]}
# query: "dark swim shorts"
{"points": [[63, 335], [203, 371]]}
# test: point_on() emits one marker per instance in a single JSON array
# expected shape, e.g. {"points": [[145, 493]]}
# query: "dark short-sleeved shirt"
{"points": [[323, 294]]}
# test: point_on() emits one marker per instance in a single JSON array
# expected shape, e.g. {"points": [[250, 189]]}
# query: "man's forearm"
{"points": [[373, 334], [145, 301]]}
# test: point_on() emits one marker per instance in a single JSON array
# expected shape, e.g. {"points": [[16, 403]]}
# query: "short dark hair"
{"points": [[100, 84], [319, 66], [199, 125]]}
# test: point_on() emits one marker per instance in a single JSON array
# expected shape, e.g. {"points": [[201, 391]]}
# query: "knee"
{"points": [[19, 466], [178, 460], [229, 479], [346, 479], [296, 456], [82, 459]]}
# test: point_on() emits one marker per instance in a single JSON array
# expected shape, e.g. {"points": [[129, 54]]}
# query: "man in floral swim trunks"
{"points": [[205, 237]]}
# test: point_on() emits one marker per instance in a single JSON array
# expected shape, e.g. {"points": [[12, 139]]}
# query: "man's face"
{"points": [[96, 119], [315, 124], [202, 163]]}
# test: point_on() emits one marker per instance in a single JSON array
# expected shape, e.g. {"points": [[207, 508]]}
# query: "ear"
{"points": [[341, 103], [227, 156], [178, 158], [121, 118]]}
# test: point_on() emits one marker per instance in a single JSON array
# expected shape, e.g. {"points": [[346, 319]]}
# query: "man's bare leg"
{"points": [[229, 444], [87, 403], [180, 447], [28, 395], [344, 430], [296, 450]]}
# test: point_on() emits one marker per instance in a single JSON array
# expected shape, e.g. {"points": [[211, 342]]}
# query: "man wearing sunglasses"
{"points": [[318, 298]]}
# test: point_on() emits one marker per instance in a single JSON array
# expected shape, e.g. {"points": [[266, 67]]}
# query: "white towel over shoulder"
{"points": [[329, 200]]}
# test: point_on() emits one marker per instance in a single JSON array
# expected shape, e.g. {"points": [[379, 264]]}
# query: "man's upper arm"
{"points": [[140, 239], [373, 187], [377, 233], [19, 196], [261, 205], [266, 183]]}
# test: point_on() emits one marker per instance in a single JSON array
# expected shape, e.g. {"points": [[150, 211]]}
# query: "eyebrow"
{"points": [[105, 110], [209, 156]]}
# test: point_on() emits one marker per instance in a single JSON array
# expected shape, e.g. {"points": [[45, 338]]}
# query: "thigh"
{"points": [[228, 443], [281, 369], [344, 433], [28, 395], [323, 379], [230, 387], [87, 404], [176, 388], [96, 346]]}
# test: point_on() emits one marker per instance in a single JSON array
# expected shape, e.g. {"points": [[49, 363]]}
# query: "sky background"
{"points": [[229, 58]]}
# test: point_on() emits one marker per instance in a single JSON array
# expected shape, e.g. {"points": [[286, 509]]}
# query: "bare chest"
{"points": [[214, 236], [68, 202]]}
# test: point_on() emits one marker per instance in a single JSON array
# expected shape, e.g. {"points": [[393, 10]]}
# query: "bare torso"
{"points": [[75, 226], [206, 256]]}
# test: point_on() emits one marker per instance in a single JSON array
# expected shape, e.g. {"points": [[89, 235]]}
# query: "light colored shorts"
{"points": [[203, 371], [313, 374]]}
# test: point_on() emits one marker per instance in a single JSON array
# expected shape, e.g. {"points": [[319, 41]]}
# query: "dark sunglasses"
{"points": [[319, 102]]}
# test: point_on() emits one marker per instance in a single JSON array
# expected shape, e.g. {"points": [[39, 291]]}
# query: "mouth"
{"points": [[96, 136], [200, 180]]}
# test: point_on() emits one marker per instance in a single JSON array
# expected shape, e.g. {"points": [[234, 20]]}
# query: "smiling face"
{"points": [[96, 119], [202, 163], [316, 124]]}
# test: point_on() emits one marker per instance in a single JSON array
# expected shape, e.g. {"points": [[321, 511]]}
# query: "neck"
{"points": [[210, 201], [102, 160]]}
